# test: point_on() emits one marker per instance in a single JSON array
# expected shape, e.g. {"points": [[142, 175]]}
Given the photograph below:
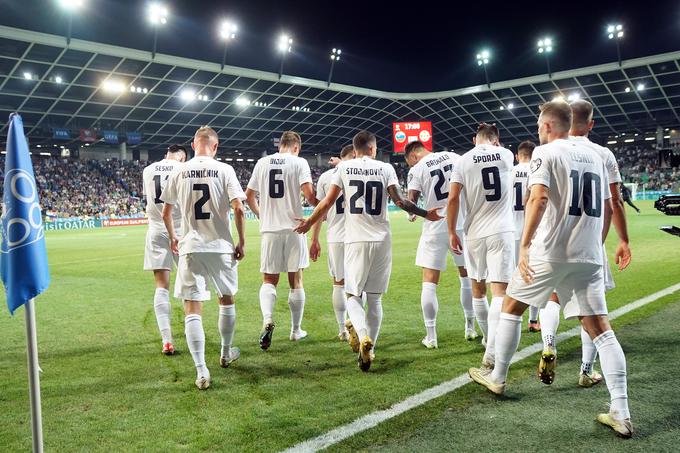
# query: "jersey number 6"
{"points": [[275, 185]]}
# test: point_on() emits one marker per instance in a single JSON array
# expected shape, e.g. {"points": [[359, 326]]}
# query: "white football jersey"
{"points": [[571, 229], [335, 217], [520, 177], [605, 154], [364, 182], [154, 179], [486, 175], [431, 176], [203, 189], [277, 178]]}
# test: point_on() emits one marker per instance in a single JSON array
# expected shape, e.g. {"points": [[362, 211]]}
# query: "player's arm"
{"points": [[413, 196], [320, 211], [409, 206], [623, 254], [308, 192], [167, 220], [251, 200], [533, 213], [315, 247], [453, 207], [240, 221]]}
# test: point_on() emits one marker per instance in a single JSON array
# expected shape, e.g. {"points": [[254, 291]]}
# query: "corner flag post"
{"points": [[23, 256]]}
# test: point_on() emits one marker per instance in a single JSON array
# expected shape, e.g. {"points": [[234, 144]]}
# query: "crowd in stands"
{"points": [[71, 188]]}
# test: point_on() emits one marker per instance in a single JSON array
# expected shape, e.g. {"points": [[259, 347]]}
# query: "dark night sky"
{"points": [[422, 46]]}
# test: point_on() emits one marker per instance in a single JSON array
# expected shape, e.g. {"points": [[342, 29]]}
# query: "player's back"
{"points": [[486, 175], [154, 179], [204, 188], [520, 177], [431, 176], [277, 178], [364, 182], [571, 229], [335, 218], [607, 156]]}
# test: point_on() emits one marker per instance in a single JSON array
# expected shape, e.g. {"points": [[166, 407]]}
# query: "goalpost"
{"points": [[633, 189]]}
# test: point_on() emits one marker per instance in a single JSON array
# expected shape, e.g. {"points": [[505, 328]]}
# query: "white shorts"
{"points": [[433, 250], [608, 277], [336, 260], [491, 258], [283, 251], [368, 266], [157, 253], [195, 271], [579, 287]]}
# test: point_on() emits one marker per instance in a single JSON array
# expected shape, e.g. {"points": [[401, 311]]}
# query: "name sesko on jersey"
{"points": [[154, 179]]}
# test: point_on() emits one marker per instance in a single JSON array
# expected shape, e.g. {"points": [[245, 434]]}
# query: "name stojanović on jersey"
{"points": [[277, 179], [486, 175], [154, 179], [364, 182], [431, 176], [203, 190]]}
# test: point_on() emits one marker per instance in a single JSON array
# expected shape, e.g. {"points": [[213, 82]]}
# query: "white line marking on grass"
{"points": [[375, 418], [92, 260]]}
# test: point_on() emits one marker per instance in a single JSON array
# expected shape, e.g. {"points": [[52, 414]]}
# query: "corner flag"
{"points": [[23, 258]]}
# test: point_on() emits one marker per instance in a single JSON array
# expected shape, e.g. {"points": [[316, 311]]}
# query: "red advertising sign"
{"points": [[88, 135], [405, 133]]}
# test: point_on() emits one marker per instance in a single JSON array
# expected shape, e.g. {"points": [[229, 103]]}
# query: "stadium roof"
{"points": [[249, 107]]}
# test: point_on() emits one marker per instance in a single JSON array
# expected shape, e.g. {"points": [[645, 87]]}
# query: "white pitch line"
{"points": [[93, 260], [375, 418]]}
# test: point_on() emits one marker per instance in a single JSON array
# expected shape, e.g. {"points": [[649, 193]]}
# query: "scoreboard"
{"points": [[407, 132]]}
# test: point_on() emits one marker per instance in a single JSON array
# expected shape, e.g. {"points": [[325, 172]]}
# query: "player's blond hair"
{"points": [[559, 113], [206, 133], [346, 151], [289, 139]]}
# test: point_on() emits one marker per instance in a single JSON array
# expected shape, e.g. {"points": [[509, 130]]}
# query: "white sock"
{"points": [[508, 333], [296, 302], [267, 302], [355, 310], [466, 302], [550, 321], [588, 352], [226, 324], [533, 313], [494, 316], [339, 306], [430, 306], [481, 309], [193, 329], [374, 314], [613, 363], [161, 305]]}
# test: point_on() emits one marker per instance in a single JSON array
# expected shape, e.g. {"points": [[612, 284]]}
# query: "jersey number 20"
{"points": [[373, 191]]}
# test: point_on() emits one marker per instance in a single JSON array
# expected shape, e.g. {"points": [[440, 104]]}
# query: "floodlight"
{"points": [[511, 106], [627, 90], [242, 102], [113, 86], [28, 76], [641, 86], [285, 44], [615, 31], [545, 45], [188, 95], [71, 4], [228, 30], [574, 97], [158, 13], [335, 54]]}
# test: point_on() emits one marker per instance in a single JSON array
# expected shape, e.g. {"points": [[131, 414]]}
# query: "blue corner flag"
{"points": [[23, 261]]}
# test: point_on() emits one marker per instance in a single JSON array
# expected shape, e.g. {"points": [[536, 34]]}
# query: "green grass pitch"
{"points": [[106, 387]]}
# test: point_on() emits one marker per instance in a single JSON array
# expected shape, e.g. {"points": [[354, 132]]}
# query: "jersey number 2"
{"points": [[198, 207], [441, 179]]}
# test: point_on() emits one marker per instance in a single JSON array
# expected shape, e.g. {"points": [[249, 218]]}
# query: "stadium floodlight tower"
{"points": [[615, 32], [284, 46], [227, 34], [545, 48], [70, 6], [483, 59], [158, 15], [335, 56]]}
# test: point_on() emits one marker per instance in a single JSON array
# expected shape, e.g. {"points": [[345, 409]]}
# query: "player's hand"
{"points": [[455, 244], [315, 251], [412, 217], [433, 215], [303, 227], [334, 161], [239, 251], [174, 245], [623, 255], [525, 271]]}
